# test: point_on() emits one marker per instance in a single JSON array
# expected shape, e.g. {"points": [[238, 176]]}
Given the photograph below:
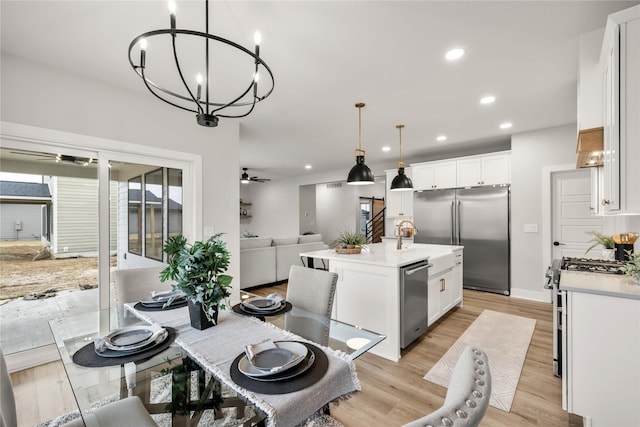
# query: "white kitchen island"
{"points": [[368, 289]]}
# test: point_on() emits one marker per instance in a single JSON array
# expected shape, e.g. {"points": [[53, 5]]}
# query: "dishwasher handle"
{"points": [[415, 270]]}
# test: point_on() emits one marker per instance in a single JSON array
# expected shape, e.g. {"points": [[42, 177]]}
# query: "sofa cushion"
{"points": [[255, 242], [310, 238], [285, 241]]}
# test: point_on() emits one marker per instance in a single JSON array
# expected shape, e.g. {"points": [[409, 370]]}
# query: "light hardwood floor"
{"points": [[392, 393]]}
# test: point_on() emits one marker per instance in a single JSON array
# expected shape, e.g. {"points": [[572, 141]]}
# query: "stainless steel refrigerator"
{"points": [[477, 218]]}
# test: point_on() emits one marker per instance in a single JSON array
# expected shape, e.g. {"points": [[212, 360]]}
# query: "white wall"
{"points": [[37, 95], [530, 153]]}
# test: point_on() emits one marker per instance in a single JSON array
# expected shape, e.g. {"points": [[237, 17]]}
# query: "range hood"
{"points": [[590, 148]]}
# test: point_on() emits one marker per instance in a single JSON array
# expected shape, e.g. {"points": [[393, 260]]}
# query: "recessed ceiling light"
{"points": [[487, 99], [505, 125], [308, 166], [441, 138], [454, 54], [386, 148]]}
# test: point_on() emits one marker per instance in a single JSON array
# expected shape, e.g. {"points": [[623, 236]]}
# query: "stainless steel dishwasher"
{"points": [[413, 301]]}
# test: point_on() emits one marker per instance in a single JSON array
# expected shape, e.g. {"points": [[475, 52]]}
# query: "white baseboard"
{"points": [[33, 357], [542, 296]]}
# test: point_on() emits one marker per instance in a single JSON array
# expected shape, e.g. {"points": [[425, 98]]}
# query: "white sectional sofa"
{"points": [[267, 260]]}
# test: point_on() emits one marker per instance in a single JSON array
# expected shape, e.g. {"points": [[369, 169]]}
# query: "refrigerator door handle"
{"points": [[453, 223], [457, 222]]}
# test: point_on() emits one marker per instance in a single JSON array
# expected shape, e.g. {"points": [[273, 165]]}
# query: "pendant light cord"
{"points": [[359, 106], [400, 163]]}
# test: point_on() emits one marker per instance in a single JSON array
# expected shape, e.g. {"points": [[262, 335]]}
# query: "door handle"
{"points": [[442, 285], [453, 223], [414, 270], [556, 243]]}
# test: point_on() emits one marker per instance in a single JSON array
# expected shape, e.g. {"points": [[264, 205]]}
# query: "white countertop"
{"points": [[613, 285], [386, 254]]}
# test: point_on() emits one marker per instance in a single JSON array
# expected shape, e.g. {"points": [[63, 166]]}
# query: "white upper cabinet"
{"points": [[398, 203], [590, 81], [620, 62], [434, 175], [485, 169]]}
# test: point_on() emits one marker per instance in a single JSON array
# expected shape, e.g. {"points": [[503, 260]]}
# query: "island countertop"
{"points": [[386, 254], [613, 285]]}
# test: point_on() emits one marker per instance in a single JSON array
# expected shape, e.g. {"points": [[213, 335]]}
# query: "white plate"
{"points": [[147, 303], [132, 337], [299, 369], [159, 339], [159, 298], [298, 350]]}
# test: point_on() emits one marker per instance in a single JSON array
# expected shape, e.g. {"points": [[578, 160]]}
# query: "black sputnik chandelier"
{"points": [[197, 94]]}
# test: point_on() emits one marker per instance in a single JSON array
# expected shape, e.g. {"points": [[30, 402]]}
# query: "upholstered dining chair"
{"points": [[128, 412], [133, 284], [468, 394], [311, 289]]}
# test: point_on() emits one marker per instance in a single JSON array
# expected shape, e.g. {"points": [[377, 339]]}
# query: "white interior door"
{"points": [[571, 217]]}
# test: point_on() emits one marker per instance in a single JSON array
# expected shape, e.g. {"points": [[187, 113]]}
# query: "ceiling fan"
{"points": [[245, 178], [58, 158]]}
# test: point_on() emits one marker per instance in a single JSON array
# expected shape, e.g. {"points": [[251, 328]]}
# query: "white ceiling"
{"points": [[328, 55]]}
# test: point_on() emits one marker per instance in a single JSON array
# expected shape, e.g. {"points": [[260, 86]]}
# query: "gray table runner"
{"points": [[217, 347]]}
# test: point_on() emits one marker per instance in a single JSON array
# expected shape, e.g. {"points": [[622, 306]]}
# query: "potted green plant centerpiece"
{"points": [[198, 270], [606, 242], [632, 267], [350, 242]]}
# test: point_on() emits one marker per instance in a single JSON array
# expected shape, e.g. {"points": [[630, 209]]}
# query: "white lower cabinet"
{"points": [[444, 288], [601, 379], [456, 288]]}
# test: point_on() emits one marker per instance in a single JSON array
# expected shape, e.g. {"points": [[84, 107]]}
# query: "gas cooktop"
{"points": [[608, 266]]}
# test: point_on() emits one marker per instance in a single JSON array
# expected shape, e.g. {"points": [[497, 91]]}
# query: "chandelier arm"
{"points": [[186, 86], [146, 83], [239, 116], [237, 99]]}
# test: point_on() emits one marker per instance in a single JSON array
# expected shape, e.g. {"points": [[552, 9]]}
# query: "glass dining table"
{"points": [[175, 389]]}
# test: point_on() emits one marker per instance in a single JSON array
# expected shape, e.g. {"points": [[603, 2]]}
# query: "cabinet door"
{"points": [[496, 169], [456, 280], [446, 286], [433, 305], [469, 172], [444, 175], [423, 177], [611, 174]]}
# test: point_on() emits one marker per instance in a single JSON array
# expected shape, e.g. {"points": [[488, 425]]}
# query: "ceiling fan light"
{"points": [[360, 174], [401, 182]]}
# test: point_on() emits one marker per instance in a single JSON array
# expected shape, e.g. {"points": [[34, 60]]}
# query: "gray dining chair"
{"points": [[312, 290], [128, 412], [133, 284], [467, 396]]}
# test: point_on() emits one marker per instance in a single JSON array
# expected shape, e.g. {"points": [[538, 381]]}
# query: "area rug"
{"points": [[505, 338]]}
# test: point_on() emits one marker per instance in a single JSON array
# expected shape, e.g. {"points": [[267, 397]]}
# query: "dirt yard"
{"points": [[20, 275]]}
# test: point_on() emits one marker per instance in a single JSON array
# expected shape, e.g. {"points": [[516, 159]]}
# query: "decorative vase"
{"points": [[199, 318], [350, 249], [608, 253]]}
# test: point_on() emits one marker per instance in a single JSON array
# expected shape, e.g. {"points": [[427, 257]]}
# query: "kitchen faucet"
{"points": [[407, 221]]}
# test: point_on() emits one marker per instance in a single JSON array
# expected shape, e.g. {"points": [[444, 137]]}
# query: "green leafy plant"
{"points": [[632, 267], [350, 238], [198, 270], [600, 239]]}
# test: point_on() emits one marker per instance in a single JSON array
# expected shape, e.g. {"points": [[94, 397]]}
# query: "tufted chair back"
{"points": [[468, 394]]}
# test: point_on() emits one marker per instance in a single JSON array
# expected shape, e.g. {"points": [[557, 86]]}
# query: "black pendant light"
{"points": [[401, 182], [360, 174]]}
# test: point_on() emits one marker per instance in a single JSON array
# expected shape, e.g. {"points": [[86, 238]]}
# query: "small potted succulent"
{"points": [[632, 267], [350, 242], [607, 243], [198, 269]]}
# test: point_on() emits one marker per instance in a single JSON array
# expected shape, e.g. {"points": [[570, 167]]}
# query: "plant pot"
{"points": [[621, 251], [199, 318], [608, 253], [351, 249]]}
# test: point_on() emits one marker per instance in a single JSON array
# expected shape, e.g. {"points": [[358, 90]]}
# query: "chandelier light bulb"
{"points": [[143, 44], [256, 78], [172, 7], [199, 79], [257, 37]]}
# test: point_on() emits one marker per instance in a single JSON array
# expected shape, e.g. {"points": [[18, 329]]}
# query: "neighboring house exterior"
{"points": [[63, 212], [24, 210]]}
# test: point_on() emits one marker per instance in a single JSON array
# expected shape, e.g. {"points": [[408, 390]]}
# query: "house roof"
{"points": [[134, 194], [31, 190]]}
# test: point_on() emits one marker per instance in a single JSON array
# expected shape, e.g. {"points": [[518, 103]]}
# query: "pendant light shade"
{"points": [[360, 174], [401, 182]]}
